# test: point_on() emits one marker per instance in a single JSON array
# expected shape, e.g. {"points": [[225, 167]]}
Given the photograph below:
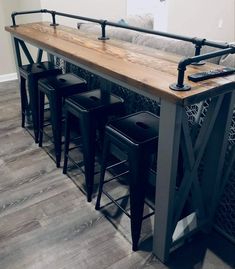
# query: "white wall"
{"points": [[6, 56], [211, 19], [29, 5], [101, 9], [7, 63], [141, 6], [161, 15]]}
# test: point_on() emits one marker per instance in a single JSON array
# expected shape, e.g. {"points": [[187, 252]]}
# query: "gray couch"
{"points": [[183, 48]]}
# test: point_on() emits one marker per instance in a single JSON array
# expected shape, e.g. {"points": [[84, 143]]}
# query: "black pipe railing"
{"points": [[187, 61], [198, 42]]}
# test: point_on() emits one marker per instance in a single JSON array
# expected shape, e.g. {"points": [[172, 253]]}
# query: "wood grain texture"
{"points": [[46, 223], [146, 69]]}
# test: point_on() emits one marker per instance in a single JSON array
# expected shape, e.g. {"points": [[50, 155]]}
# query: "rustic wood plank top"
{"points": [[144, 68]]}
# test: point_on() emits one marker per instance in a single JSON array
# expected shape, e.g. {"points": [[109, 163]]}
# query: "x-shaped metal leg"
{"points": [[204, 191]]}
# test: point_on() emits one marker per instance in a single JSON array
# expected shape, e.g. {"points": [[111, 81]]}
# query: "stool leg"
{"points": [[101, 130], [33, 97], [102, 171], [41, 103], [67, 140], [23, 99], [139, 165], [27, 103], [55, 103], [88, 131]]}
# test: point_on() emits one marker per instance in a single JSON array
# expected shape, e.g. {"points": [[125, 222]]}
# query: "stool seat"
{"points": [[139, 128], [31, 73], [56, 88], [95, 100], [38, 70], [64, 84], [136, 135], [92, 108]]}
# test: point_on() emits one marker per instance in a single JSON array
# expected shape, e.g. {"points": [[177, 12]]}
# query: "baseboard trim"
{"points": [[8, 77]]}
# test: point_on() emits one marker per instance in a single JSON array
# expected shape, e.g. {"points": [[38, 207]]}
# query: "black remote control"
{"points": [[211, 74]]}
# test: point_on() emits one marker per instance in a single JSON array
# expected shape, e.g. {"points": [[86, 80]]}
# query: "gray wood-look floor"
{"points": [[45, 221]]}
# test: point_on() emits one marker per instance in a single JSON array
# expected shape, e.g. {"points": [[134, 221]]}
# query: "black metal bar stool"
{"points": [[29, 76], [92, 108], [56, 88], [137, 136]]}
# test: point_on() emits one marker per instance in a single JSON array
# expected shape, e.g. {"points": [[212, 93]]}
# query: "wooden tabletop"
{"points": [[147, 69]]}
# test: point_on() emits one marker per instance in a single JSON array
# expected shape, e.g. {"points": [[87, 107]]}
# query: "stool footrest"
{"points": [[46, 134], [76, 164], [49, 136], [111, 202], [79, 145], [115, 164], [116, 203], [149, 205], [117, 176], [47, 124], [148, 215], [75, 147], [77, 138]]}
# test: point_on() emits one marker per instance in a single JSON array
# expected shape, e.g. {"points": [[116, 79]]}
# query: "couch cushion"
{"points": [[142, 21], [228, 60], [183, 48], [111, 32], [162, 43], [120, 34]]}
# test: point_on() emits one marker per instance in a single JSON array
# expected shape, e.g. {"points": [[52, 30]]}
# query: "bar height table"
{"points": [[150, 72]]}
